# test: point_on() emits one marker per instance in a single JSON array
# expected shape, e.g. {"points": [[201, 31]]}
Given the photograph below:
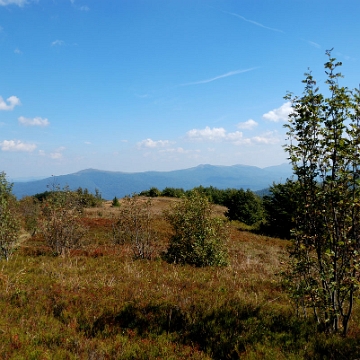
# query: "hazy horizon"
{"points": [[40, 177]]}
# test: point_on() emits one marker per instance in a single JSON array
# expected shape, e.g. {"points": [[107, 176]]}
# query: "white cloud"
{"points": [[207, 134], [12, 101], [57, 154], [179, 150], [268, 138], [215, 134], [58, 43], [236, 138], [149, 143], [18, 51], [16, 145], [37, 121], [13, 2], [279, 114], [247, 125], [230, 73]]}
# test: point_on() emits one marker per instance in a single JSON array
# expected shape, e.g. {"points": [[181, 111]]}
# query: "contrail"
{"points": [[230, 73], [252, 22]]}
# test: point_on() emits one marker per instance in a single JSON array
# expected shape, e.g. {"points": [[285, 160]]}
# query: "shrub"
{"points": [[198, 237], [280, 208], [85, 198], [173, 192], [244, 206], [115, 202], [9, 223], [89, 200], [152, 192], [134, 226], [60, 225], [29, 208]]}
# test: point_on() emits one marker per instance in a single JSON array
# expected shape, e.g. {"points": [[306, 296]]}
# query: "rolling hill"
{"points": [[120, 184]]}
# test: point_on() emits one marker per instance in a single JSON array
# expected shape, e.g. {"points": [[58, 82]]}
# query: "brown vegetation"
{"points": [[100, 303]]}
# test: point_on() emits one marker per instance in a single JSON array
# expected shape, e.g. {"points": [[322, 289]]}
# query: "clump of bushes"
{"points": [[198, 237]]}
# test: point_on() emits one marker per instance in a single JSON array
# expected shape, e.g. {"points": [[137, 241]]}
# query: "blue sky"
{"points": [[130, 85]]}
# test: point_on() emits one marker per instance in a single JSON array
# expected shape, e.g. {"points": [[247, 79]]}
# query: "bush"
{"points": [[152, 192], [29, 208], [115, 202], [89, 200], [60, 221], [134, 226], [280, 208], [9, 223], [198, 237], [244, 206], [173, 192]]}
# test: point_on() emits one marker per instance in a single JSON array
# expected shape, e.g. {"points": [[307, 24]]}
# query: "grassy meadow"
{"points": [[100, 303]]}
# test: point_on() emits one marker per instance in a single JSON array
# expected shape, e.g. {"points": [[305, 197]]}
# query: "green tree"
{"points": [[323, 147], [154, 192], [173, 192], [115, 202], [9, 223], [244, 206], [280, 207], [198, 237]]}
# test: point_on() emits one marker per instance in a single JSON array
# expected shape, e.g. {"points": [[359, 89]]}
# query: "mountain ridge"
{"points": [[118, 183]]}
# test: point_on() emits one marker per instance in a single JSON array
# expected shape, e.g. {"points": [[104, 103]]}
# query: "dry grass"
{"points": [[99, 303], [159, 205]]}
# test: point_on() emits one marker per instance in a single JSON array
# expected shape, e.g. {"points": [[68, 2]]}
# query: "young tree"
{"points": [[115, 202], [280, 207], [60, 221], [9, 223], [324, 143], [134, 226], [198, 237], [29, 208]]}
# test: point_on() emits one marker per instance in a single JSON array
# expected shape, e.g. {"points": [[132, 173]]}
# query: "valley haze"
{"points": [[120, 184]]}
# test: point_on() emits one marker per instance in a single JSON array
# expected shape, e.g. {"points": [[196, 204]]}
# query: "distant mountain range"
{"points": [[120, 184]]}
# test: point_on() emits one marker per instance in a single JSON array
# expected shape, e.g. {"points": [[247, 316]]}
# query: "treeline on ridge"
{"points": [[269, 212]]}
